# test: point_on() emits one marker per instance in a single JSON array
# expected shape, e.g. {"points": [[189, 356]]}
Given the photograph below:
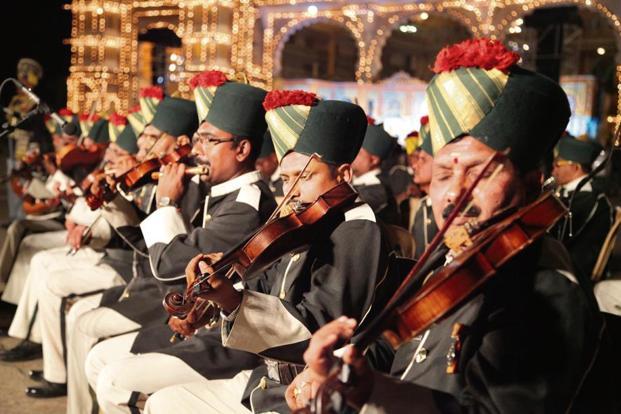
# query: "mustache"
{"points": [[197, 161], [473, 211]]}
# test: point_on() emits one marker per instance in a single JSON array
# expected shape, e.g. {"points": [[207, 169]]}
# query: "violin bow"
{"points": [[435, 242], [287, 196], [203, 277], [421, 268], [87, 232]]}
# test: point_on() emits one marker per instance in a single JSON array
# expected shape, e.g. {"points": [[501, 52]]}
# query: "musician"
{"points": [[528, 341], [80, 217], [338, 273], [368, 179], [113, 268], [235, 204], [267, 164], [29, 127], [123, 309], [590, 214], [18, 248], [96, 264], [424, 227]]}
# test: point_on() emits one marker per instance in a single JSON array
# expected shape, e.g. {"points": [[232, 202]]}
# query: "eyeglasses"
{"points": [[560, 163], [204, 138]]}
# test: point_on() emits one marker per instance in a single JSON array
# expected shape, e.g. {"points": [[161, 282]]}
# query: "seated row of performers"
{"points": [[532, 339]]}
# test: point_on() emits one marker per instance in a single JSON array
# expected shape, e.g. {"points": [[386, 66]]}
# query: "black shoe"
{"points": [[36, 375], [47, 390], [25, 351]]}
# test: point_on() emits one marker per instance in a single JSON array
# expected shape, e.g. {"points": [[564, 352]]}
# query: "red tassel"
{"points": [[370, 120], [152, 92], [65, 112], [412, 134], [85, 116], [207, 79], [475, 53], [276, 99], [424, 120], [117, 119]]}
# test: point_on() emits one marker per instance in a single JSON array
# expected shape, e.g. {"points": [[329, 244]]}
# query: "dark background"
{"points": [[37, 29]]}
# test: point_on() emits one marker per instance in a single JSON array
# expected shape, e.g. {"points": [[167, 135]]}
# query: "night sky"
{"points": [[36, 29]]}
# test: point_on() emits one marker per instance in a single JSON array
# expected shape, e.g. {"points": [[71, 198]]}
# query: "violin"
{"points": [[141, 173], [30, 165], [259, 250], [415, 306], [78, 155], [136, 177], [35, 206]]}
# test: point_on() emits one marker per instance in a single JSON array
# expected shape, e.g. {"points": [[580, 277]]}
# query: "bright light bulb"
{"points": [[424, 16], [99, 10], [601, 51], [525, 47], [312, 10]]}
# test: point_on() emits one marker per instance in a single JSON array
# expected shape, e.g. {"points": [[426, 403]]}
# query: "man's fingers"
{"points": [[190, 269], [204, 267]]}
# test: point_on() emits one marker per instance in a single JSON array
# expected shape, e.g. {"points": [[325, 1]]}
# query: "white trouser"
{"points": [[608, 295], [116, 374], [41, 264], [204, 396], [88, 328], [82, 276], [29, 246]]}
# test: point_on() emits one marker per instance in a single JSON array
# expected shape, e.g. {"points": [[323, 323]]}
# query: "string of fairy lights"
{"points": [[249, 35]]}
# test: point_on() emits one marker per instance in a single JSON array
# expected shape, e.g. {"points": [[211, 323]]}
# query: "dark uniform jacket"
{"points": [[233, 210], [529, 343], [586, 227], [141, 299], [375, 192], [424, 228], [337, 275]]}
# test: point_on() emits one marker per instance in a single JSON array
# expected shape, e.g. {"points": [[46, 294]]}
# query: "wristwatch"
{"points": [[165, 202]]}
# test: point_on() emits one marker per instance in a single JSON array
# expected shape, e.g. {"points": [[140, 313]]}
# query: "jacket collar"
{"points": [[235, 184], [368, 178]]}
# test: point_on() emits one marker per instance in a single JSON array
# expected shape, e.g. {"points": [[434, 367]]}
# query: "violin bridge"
{"points": [[457, 238]]}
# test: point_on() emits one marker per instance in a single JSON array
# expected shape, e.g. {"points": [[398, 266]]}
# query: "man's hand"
{"points": [[181, 326], [69, 225], [183, 140], [74, 236], [320, 360], [221, 290], [171, 182], [123, 164]]}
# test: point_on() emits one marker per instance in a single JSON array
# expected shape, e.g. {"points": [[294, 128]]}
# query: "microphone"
{"points": [[69, 128], [58, 119], [27, 91]]}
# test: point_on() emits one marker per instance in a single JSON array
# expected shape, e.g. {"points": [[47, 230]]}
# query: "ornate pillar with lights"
{"points": [[207, 28], [98, 73]]}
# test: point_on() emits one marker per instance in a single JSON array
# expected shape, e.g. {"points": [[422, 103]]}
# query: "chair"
{"points": [[399, 240]]}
